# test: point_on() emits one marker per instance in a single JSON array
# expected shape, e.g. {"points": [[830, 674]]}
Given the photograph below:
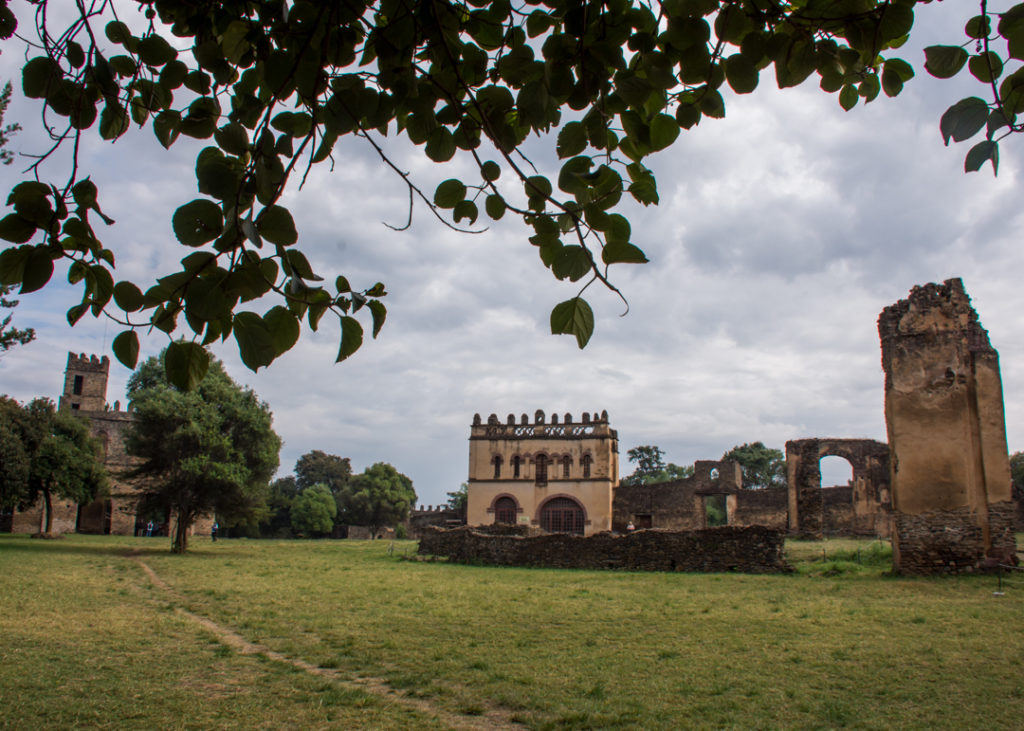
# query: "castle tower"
{"points": [[85, 383], [555, 476]]}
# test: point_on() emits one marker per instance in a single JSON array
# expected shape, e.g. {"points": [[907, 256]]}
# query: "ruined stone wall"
{"points": [[677, 505], [755, 549], [863, 507], [944, 416], [439, 517], [767, 507]]}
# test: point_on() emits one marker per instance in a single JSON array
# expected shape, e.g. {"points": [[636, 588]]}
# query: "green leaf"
{"points": [[38, 270], [379, 313], [166, 127], [351, 337], [986, 67], [276, 225], [154, 50], [449, 193], [39, 75], [944, 61], [964, 119], [616, 252], [75, 313], [572, 140], [16, 229], [712, 104], [573, 317], [495, 206], [741, 73], [283, 327], [126, 348], [978, 27], [490, 171], [980, 154], [185, 364], [197, 222], [232, 138], [440, 145], [848, 97], [467, 210], [128, 297], [255, 344], [664, 131], [572, 263]]}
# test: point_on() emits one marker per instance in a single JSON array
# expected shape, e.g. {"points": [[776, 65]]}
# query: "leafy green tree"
{"points": [[273, 86], [1017, 468], [14, 458], [379, 497], [47, 454], [277, 522], [762, 467], [320, 468], [651, 468], [209, 450], [459, 499], [10, 335], [313, 511]]}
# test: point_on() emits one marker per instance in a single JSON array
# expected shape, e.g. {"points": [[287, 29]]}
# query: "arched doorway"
{"points": [[505, 510], [562, 515]]}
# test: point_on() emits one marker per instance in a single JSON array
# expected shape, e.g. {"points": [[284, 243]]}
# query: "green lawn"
{"points": [[87, 641]]}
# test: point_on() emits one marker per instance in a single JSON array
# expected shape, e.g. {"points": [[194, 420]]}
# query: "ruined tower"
{"points": [[555, 476], [85, 383], [947, 435]]}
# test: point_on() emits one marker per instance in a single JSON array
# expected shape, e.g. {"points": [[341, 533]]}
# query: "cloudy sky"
{"points": [[782, 232]]}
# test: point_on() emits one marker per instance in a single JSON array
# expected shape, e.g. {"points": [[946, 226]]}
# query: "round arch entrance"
{"points": [[562, 515]]}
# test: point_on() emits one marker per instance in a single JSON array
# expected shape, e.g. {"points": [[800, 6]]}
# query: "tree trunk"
{"points": [[183, 522], [47, 512]]}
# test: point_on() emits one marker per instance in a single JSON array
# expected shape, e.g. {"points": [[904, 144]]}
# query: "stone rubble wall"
{"points": [[753, 550], [952, 541]]}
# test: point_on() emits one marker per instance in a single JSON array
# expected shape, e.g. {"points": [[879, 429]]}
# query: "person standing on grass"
{"points": [[213, 531]]}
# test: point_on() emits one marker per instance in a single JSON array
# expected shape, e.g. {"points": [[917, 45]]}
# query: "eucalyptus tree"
{"points": [[274, 85]]}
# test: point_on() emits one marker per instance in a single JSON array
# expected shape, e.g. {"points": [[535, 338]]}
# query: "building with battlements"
{"points": [[85, 393], [559, 475]]}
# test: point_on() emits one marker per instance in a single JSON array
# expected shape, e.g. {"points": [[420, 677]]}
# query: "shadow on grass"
{"points": [[83, 545]]}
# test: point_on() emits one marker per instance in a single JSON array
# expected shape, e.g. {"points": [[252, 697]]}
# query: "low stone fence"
{"points": [[752, 549]]}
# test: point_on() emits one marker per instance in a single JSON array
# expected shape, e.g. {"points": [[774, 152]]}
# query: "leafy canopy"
{"points": [[313, 511], [211, 449], [380, 496], [651, 468], [272, 86], [46, 453], [762, 466]]}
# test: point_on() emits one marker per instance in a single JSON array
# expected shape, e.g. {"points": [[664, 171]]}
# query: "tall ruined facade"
{"points": [[951, 493], [556, 476]]}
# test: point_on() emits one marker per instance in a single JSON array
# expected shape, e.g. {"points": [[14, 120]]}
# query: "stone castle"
{"points": [[85, 393]]}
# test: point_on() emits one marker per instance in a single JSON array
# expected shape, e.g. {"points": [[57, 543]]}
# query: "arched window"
{"points": [[586, 465], [540, 472], [714, 473], [566, 463], [515, 465], [497, 466], [562, 515], [505, 510]]}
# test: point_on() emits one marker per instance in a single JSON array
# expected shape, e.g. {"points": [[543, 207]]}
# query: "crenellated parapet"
{"points": [[541, 428]]}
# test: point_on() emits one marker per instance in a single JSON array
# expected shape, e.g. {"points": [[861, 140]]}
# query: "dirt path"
{"points": [[490, 719]]}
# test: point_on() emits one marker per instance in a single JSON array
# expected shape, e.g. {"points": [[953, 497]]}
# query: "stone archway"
{"points": [[814, 511]]}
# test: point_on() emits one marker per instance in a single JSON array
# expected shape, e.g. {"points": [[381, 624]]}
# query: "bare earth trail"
{"points": [[491, 718]]}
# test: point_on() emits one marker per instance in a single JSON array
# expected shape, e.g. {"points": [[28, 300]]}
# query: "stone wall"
{"points": [[755, 549], [766, 507], [947, 541]]}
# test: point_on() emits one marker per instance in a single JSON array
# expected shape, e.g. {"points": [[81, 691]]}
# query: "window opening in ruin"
{"points": [[835, 471], [714, 473], [515, 466], [643, 521], [562, 515], [505, 510], [77, 388], [541, 469], [715, 511], [75, 407], [497, 466], [566, 463], [586, 465]]}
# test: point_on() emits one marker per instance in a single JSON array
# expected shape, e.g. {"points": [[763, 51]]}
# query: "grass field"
{"points": [[348, 635]]}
